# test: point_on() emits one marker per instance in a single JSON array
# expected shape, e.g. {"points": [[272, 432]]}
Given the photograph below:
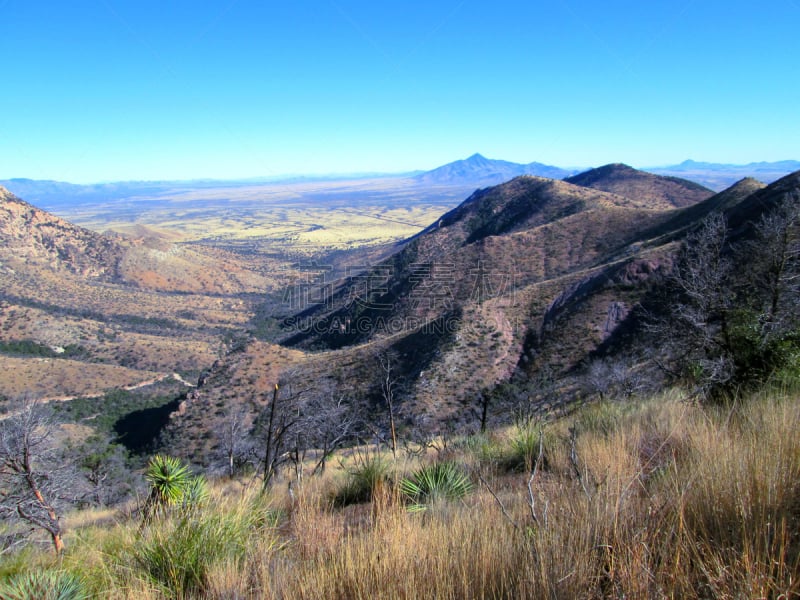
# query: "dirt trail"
{"points": [[127, 388]]}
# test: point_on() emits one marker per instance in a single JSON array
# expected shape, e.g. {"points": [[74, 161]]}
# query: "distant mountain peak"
{"points": [[478, 170]]}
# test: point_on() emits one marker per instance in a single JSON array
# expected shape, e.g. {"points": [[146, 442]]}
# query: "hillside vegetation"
{"points": [[655, 498]]}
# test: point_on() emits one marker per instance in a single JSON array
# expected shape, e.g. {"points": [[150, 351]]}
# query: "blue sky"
{"points": [[111, 90]]}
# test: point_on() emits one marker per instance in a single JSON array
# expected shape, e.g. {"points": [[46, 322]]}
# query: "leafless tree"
{"points": [[231, 433], [614, 377], [102, 464], [388, 382], [734, 320], [538, 390], [776, 255], [331, 420], [275, 426], [32, 481], [598, 377], [696, 328]]}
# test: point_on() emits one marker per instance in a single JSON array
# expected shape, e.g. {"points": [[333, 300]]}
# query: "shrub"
{"points": [[363, 481], [195, 493], [523, 449], [178, 556], [435, 483]]}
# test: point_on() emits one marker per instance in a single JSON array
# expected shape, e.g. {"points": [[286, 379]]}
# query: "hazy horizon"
{"points": [[341, 176]]}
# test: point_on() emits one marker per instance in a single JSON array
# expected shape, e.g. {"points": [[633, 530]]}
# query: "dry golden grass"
{"points": [[672, 501]]}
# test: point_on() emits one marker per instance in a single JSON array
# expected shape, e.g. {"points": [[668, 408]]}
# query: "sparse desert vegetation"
{"points": [[652, 498]]}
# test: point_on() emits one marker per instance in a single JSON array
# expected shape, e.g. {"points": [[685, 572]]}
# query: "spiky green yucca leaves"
{"points": [[171, 484], [43, 585], [168, 477], [434, 483]]}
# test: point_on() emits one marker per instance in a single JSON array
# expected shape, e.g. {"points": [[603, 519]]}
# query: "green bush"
{"points": [[522, 451]]}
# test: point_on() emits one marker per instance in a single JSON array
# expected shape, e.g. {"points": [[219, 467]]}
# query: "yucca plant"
{"points": [[171, 484], [441, 481], [43, 585]]}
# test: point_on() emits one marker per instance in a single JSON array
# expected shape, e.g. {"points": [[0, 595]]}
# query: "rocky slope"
{"points": [[532, 276]]}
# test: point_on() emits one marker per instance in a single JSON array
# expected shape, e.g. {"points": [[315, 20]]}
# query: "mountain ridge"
{"points": [[661, 191], [527, 278]]}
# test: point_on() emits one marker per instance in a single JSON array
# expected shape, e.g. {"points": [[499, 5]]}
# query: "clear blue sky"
{"points": [[109, 90]]}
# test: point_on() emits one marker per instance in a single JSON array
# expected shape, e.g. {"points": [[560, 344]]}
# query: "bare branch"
{"points": [[499, 502]]}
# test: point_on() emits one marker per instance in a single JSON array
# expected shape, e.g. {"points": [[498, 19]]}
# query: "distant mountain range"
{"points": [[719, 176], [479, 170], [522, 283], [475, 171]]}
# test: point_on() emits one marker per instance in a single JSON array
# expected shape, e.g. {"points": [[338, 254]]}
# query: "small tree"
{"points": [[770, 339], [32, 478], [277, 428], [598, 377], [331, 419], [231, 432], [697, 325]]}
